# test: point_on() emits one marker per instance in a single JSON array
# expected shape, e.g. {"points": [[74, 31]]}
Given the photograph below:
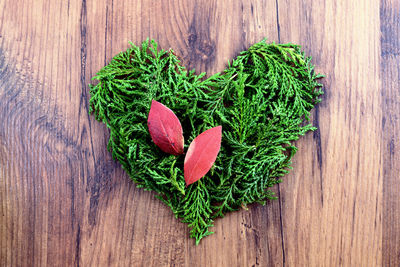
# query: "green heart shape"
{"points": [[261, 100]]}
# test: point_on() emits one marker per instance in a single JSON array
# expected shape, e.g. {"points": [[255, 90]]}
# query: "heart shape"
{"points": [[261, 100]]}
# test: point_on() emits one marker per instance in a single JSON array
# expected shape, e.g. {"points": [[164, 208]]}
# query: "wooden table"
{"points": [[65, 202]]}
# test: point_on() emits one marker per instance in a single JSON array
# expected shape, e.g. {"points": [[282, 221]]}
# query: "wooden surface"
{"points": [[65, 202]]}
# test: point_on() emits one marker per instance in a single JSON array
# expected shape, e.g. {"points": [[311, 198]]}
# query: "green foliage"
{"points": [[261, 100]]}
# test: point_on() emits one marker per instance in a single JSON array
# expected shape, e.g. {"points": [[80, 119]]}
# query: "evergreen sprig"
{"points": [[261, 100]]}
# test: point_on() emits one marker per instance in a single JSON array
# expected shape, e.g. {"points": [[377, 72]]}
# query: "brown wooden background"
{"points": [[65, 202]]}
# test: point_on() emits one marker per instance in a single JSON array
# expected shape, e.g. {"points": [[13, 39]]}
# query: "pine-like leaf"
{"points": [[261, 100]]}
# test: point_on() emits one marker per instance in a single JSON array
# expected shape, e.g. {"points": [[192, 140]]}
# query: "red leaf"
{"points": [[201, 154], [165, 129]]}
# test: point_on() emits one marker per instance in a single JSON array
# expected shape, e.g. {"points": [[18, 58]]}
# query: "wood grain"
{"points": [[341, 218], [65, 202], [390, 74]]}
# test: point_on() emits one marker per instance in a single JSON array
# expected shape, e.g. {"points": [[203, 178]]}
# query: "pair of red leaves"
{"points": [[166, 131]]}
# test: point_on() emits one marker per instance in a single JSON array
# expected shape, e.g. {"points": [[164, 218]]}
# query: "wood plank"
{"points": [[331, 204], [44, 172], [390, 74]]}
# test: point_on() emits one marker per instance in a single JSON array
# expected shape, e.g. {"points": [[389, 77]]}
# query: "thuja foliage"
{"points": [[262, 100]]}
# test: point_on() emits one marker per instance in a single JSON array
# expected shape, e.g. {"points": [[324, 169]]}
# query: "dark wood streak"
{"points": [[78, 246], [277, 20], [105, 37], [390, 74], [279, 187], [317, 139], [98, 184], [281, 226], [83, 101], [201, 44], [94, 183]]}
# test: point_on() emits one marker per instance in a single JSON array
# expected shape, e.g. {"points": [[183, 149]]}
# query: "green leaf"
{"points": [[261, 100]]}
